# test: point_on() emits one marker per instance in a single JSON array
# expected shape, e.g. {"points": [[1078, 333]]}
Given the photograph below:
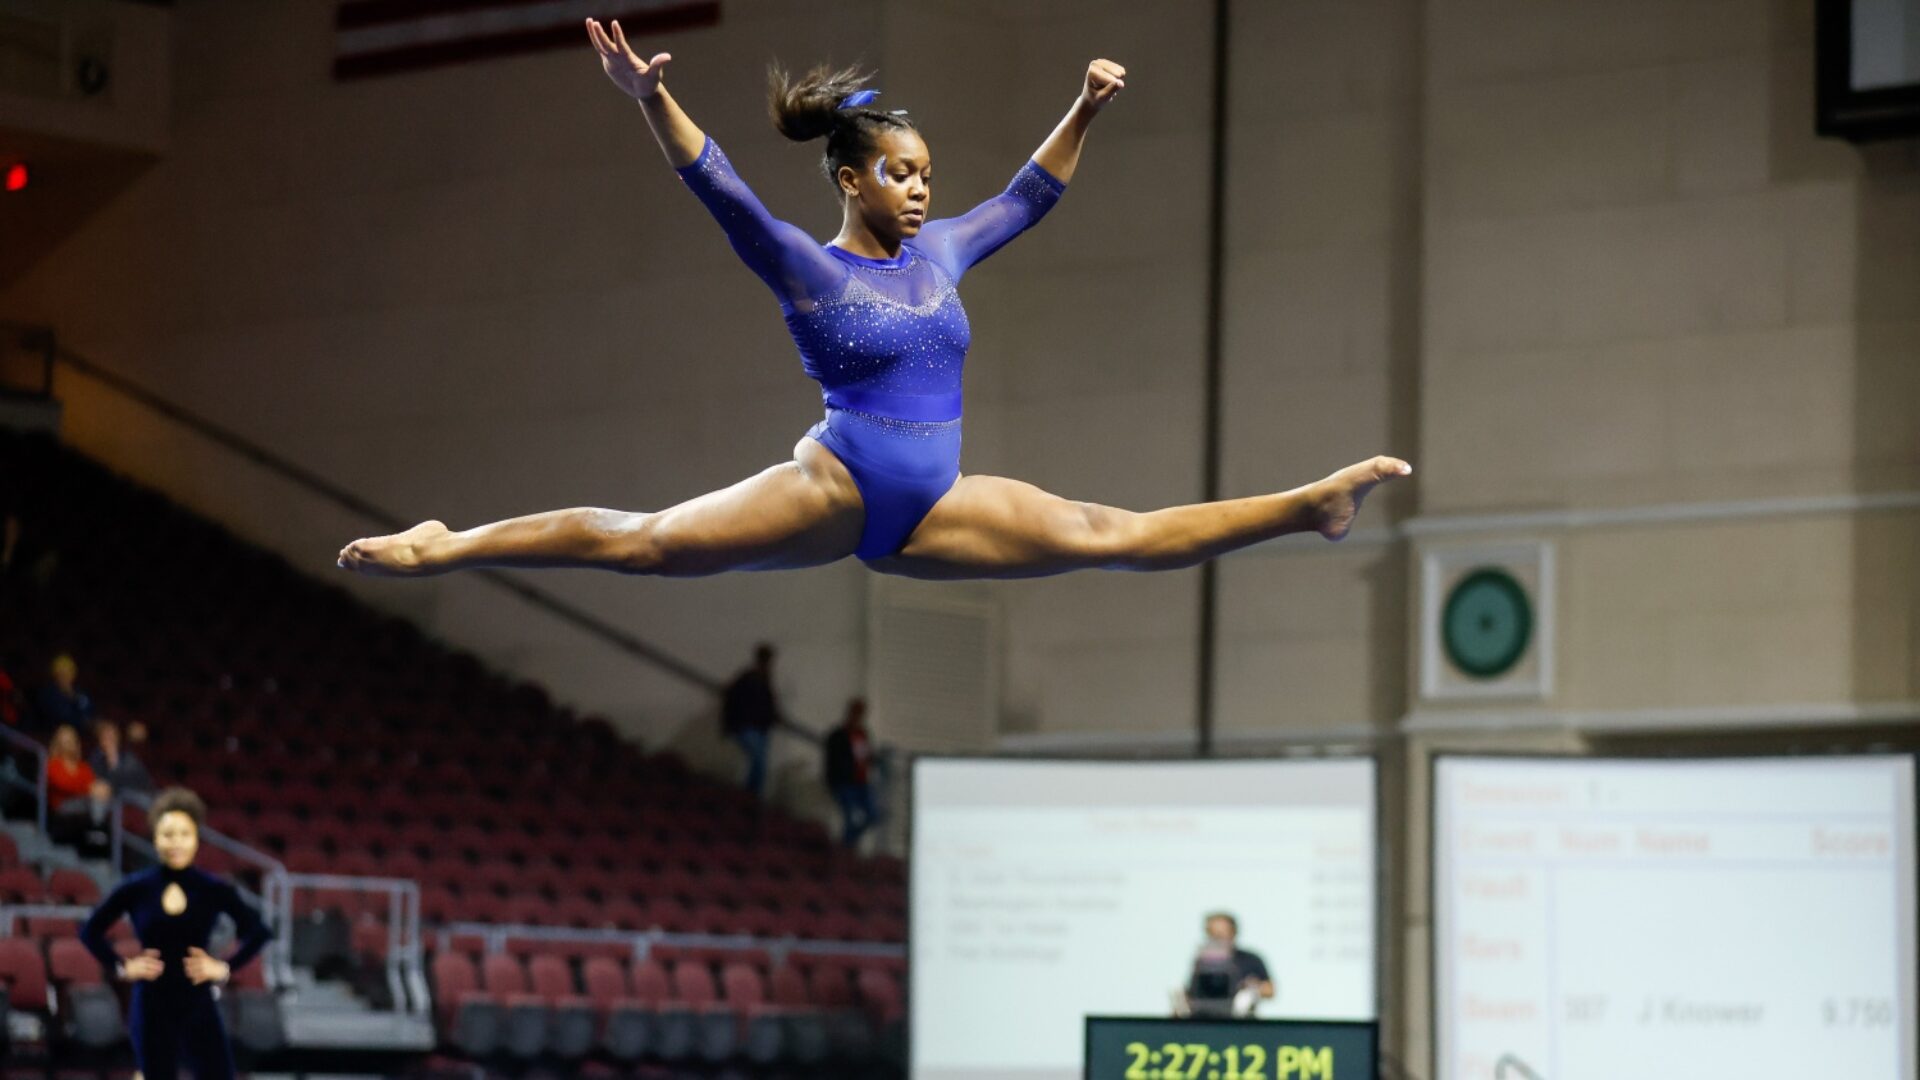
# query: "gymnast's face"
{"points": [[892, 195], [177, 839]]}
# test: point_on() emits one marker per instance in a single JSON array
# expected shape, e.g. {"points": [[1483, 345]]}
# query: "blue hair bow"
{"points": [[858, 98]]}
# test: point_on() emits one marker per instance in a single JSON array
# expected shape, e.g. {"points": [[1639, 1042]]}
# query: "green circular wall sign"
{"points": [[1487, 624]]}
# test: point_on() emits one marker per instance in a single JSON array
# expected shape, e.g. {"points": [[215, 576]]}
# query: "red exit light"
{"points": [[16, 177]]}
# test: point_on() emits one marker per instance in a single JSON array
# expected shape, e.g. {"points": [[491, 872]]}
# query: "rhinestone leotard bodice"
{"points": [[885, 337]]}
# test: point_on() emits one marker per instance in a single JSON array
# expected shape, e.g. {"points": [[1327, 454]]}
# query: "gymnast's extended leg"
{"points": [[991, 527], [802, 513]]}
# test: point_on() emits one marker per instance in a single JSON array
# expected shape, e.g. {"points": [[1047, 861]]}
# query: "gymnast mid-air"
{"points": [[879, 324]]}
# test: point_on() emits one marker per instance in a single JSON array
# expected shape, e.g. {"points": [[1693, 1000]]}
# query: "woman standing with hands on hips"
{"points": [[878, 322], [174, 1019]]}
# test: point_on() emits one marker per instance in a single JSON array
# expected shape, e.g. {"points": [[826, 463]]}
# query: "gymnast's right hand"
{"points": [[142, 968], [639, 78]]}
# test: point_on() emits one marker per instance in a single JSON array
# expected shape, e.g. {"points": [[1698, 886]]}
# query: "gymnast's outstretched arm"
{"points": [[784, 257], [1060, 154], [957, 244]]}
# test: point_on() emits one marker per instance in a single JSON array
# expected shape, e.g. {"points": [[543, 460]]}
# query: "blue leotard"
{"points": [[171, 1020], [885, 338]]}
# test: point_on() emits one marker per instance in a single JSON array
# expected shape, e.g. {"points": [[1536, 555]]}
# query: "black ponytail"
{"points": [[807, 107]]}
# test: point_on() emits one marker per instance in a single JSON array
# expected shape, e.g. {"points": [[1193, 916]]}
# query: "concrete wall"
{"points": [[1647, 284]]}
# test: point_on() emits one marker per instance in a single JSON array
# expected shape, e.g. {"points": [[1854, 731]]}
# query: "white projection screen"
{"points": [[1047, 891], [1600, 918]]}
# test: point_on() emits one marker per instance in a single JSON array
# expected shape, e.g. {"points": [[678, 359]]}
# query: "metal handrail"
{"points": [[40, 755], [10, 912], [496, 935], [405, 951]]}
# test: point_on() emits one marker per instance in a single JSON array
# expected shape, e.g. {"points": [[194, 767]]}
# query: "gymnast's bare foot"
{"points": [[407, 554], [1339, 496]]}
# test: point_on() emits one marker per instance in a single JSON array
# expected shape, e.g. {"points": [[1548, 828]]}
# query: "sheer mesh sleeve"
{"points": [[958, 243], [787, 259]]}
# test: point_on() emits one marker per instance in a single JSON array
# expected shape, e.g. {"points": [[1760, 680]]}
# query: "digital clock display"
{"points": [[1119, 1048]]}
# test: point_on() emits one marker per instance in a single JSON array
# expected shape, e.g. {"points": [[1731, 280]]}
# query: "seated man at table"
{"points": [[1226, 980]]}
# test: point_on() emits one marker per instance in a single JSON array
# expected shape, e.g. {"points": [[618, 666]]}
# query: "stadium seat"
{"points": [[468, 1017], [675, 1027], [21, 885], [625, 1022], [716, 1035], [526, 1018], [571, 1022], [88, 1008], [806, 1030], [760, 1022]]}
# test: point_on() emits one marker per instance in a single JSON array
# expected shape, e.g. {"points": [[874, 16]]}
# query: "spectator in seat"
{"points": [[749, 713], [69, 781], [62, 702], [93, 822], [69, 777], [116, 765], [137, 737], [849, 750]]}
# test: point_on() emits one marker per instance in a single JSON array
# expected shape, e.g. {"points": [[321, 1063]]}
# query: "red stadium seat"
{"points": [[831, 986], [20, 885], [578, 911], [502, 974], [25, 974], [788, 987], [528, 910], [880, 992], [70, 886], [469, 1017], [437, 905], [70, 964], [216, 861], [47, 929], [693, 982], [527, 1017], [572, 1024]]}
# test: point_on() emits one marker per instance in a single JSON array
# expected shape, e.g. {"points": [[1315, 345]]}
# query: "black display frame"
{"points": [[1371, 1029], [1840, 110]]}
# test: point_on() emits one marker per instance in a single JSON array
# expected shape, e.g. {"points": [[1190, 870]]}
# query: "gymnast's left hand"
{"points": [[1105, 80], [202, 968], [635, 77]]}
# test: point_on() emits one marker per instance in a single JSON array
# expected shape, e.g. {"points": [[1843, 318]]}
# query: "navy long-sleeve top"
{"points": [[208, 898]]}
